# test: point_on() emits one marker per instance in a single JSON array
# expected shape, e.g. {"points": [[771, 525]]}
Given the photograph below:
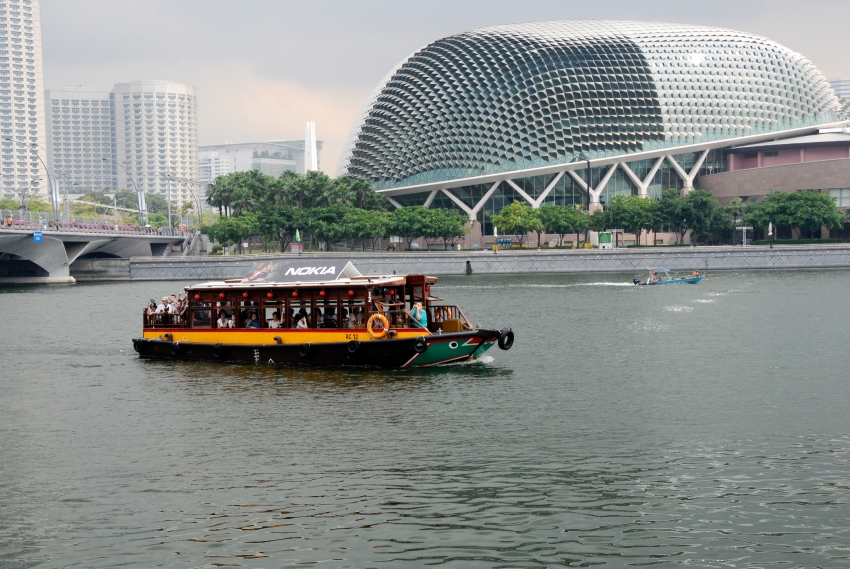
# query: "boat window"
{"points": [[329, 307], [246, 308], [297, 307], [222, 307], [200, 318], [269, 308], [353, 313]]}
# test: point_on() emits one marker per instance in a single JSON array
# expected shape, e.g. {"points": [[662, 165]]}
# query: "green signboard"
{"points": [[604, 238]]}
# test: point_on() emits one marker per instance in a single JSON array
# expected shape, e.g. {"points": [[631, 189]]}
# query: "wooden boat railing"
{"points": [[163, 320], [449, 318]]}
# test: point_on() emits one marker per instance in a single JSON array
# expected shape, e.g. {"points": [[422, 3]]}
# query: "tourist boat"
{"points": [[655, 279], [350, 319]]}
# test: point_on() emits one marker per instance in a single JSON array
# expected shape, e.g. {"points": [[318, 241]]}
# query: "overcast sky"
{"points": [[264, 67]]}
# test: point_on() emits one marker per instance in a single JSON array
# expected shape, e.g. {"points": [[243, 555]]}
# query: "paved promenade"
{"points": [[632, 260]]}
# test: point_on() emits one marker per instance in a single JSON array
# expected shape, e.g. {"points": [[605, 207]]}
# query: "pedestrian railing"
{"points": [[8, 221]]}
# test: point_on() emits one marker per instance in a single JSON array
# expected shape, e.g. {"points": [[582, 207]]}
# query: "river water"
{"points": [[696, 426]]}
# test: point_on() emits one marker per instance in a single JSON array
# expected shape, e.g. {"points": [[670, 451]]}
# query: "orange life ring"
{"points": [[384, 322]]}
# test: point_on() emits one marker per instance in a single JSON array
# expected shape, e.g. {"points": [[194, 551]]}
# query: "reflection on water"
{"points": [[629, 426]]}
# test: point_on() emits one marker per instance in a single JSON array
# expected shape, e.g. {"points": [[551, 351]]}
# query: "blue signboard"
{"points": [[36, 237]]}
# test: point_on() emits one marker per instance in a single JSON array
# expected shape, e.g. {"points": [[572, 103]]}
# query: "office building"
{"points": [[272, 158], [211, 166], [21, 99]]}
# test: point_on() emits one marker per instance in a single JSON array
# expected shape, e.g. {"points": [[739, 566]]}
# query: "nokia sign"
{"points": [[302, 270], [310, 271]]}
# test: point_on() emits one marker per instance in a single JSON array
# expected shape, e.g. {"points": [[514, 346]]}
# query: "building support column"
{"points": [[548, 189], [593, 194], [521, 192], [643, 185], [687, 177], [430, 199]]}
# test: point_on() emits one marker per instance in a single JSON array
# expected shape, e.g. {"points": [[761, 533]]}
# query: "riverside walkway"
{"points": [[631, 260]]}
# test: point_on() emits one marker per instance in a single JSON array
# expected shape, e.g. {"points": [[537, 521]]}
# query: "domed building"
{"points": [[531, 111]]}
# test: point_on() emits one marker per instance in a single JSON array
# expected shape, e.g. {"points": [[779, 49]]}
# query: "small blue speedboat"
{"points": [[656, 279]]}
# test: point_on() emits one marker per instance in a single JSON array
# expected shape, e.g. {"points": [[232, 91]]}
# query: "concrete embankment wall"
{"points": [[486, 262], [101, 269]]}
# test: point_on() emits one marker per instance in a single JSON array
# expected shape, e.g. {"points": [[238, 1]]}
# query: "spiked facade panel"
{"points": [[515, 97]]}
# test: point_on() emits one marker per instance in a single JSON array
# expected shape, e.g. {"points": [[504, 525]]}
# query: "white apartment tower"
{"points": [[21, 96], [79, 138], [156, 136]]}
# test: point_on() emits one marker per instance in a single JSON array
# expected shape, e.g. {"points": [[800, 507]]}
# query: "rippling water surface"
{"points": [[697, 426]]}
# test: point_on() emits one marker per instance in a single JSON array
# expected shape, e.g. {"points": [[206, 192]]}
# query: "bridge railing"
{"points": [[81, 226]]}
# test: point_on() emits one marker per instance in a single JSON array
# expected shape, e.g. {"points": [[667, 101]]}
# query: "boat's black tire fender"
{"points": [[420, 344], [303, 350], [353, 346], [506, 339], [218, 351], [137, 345], [175, 348]]}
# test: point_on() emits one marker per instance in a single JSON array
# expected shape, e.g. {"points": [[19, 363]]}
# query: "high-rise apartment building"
{"points": [[136, 135], [156, 136], [79, 138], [21, 96]]}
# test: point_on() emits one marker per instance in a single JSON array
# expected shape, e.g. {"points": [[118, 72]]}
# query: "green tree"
{"points": [[451, 226], [157, 220], [517, 218], [410, 223], [809, 210], [280, 224], [563, 219], [722, 220], [230, 230], [367, 225], [156, 204], [127, 199], [327, 224], [673, 212], [633, 214], [702, 208]]}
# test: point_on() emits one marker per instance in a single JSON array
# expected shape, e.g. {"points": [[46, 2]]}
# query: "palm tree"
{"points": [[215, 194]]}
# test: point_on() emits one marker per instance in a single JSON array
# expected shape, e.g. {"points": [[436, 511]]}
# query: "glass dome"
{"points": [[515, 97]]}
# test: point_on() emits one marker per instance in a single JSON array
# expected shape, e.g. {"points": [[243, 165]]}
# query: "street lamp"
{"points": [[143, 209], [196, 195], [51, 177]]}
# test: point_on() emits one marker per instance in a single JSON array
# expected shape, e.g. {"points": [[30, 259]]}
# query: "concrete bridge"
{"points": [[26, 260]]}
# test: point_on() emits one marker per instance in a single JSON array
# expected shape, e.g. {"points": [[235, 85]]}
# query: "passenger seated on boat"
{"points": [[162, 308], [275, 321], [354, 317], [254, 322], [302, 321], [223, 320], [151, 308], [695, 274], [329, 319]]}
